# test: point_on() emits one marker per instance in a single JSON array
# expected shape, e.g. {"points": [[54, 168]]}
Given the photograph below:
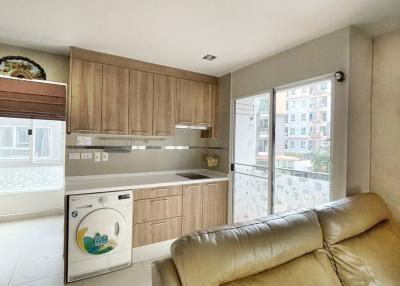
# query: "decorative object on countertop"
{"points": [[21, 67], [212, 161]]}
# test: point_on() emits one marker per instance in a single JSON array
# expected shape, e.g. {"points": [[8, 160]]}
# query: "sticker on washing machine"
{"points": [[96, 245]]}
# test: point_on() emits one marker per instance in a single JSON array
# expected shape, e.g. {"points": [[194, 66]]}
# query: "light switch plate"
{"points": [[104, 156], [97, 156], [86, 156], [74, 156], [83, 140]]}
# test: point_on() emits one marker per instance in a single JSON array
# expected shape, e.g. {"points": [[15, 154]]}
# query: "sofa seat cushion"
{"points": [[308, 270], [371, 258]]}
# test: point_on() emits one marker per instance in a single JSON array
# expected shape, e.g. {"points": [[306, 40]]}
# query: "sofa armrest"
{"points": [[164, 273]]}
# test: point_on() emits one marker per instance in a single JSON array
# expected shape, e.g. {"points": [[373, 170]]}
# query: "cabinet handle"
{"points": [[165, 189], [162, 133], [159, 223], [204, 123], [158, 200], [85, 130], [186, 122], [114, 131]]}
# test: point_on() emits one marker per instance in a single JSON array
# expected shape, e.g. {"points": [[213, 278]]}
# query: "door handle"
{"points": [[116, 229]]}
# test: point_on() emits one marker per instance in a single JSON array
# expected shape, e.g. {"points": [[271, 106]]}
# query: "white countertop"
{"points": [[117, 182]]}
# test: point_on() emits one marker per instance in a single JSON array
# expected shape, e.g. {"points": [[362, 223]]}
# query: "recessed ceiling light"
{"points": [[209, 57]]}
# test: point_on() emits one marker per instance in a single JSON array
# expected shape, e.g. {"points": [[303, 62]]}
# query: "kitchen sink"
{"points": [[192, 176]]}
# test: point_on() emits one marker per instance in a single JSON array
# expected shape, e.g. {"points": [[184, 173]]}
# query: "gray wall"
{"points": [[385, 155]]}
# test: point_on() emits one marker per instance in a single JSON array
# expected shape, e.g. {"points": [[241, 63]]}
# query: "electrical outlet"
{"points": [[104, 156], [97, 156], [86, 156], [74, 156]]}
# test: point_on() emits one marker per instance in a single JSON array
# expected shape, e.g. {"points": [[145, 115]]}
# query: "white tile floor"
{"points": [[31, 254]]}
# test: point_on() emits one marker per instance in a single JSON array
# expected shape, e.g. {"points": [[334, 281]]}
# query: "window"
{"points": [[303, 144], [262, 146], [31, 155], [310, 145], [292, 117], [303, 117], [303, 130], [324, 116], [323, 130], [263, 125], [292, 130], [323, 101], [312, 116], [291, 144]]}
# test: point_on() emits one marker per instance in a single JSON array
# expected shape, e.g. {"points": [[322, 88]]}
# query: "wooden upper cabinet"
{"points": [[186, 95], [164, 105], [204, 105], [140, 103], [215, 204], [85, 97], [115, 100]]}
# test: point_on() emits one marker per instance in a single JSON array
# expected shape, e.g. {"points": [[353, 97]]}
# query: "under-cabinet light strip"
{"points": [[145, 147]]}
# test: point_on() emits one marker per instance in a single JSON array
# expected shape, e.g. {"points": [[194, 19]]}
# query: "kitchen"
{"points": [[129, 128]]}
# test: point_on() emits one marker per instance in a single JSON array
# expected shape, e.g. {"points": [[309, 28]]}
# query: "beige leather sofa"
{"points": [[348, 242]]}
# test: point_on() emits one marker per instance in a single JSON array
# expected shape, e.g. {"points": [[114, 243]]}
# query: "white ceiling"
{"points": [[179, 32]]}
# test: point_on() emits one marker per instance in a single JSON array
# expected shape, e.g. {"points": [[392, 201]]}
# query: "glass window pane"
{"points": [[251, 157], [22, 137], [6, 137], [43, 146], [302, 155]]}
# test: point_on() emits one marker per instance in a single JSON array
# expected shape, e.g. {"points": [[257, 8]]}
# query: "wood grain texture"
{"points": [[157, 208], [164, 105], [204, 105], [186, 94], [102, 58], [192, 208], [152, 232], [85, 97], [215, 204], [115, 100], [140, 103], [151, 193], [213, 132]]}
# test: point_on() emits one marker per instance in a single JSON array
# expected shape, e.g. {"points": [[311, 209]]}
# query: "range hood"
{"points": [[197, 127]]}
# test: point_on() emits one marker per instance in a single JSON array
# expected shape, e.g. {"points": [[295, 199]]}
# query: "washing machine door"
{"points": [[101, 231]]}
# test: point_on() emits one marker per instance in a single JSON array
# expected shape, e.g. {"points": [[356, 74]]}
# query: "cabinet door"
{"points": [[186, 94], [156, 231], [115, 100], [157, 208], [85, 100], [215, 204], [204, 104], [213, 96], [164, 105], [140, 103], [192, 208]]}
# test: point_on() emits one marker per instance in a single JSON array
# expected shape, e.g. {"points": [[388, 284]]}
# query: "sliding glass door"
{"points": [[251, 160], [293, 124], [302, 153]]}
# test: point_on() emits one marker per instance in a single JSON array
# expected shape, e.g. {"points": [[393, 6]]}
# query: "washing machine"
{"points": [[99, 234]]}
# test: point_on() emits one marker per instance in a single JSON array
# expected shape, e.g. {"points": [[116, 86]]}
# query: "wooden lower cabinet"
{"points": [[215, 204], [156, 231], [166, 213], [192, 208], [157, 208]]}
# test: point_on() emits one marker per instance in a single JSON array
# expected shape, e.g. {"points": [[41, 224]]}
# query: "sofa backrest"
{"points": [[363, 243], [221, 255]]}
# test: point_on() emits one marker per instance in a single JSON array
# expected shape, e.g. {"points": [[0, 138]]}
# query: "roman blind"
{"points": [[32, 99]]}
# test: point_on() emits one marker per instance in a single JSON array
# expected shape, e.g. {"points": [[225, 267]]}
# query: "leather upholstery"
{"points": [[364, 245], [351, 216], [164, 273], [312, 269], [246, 249], [361, 246]]}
